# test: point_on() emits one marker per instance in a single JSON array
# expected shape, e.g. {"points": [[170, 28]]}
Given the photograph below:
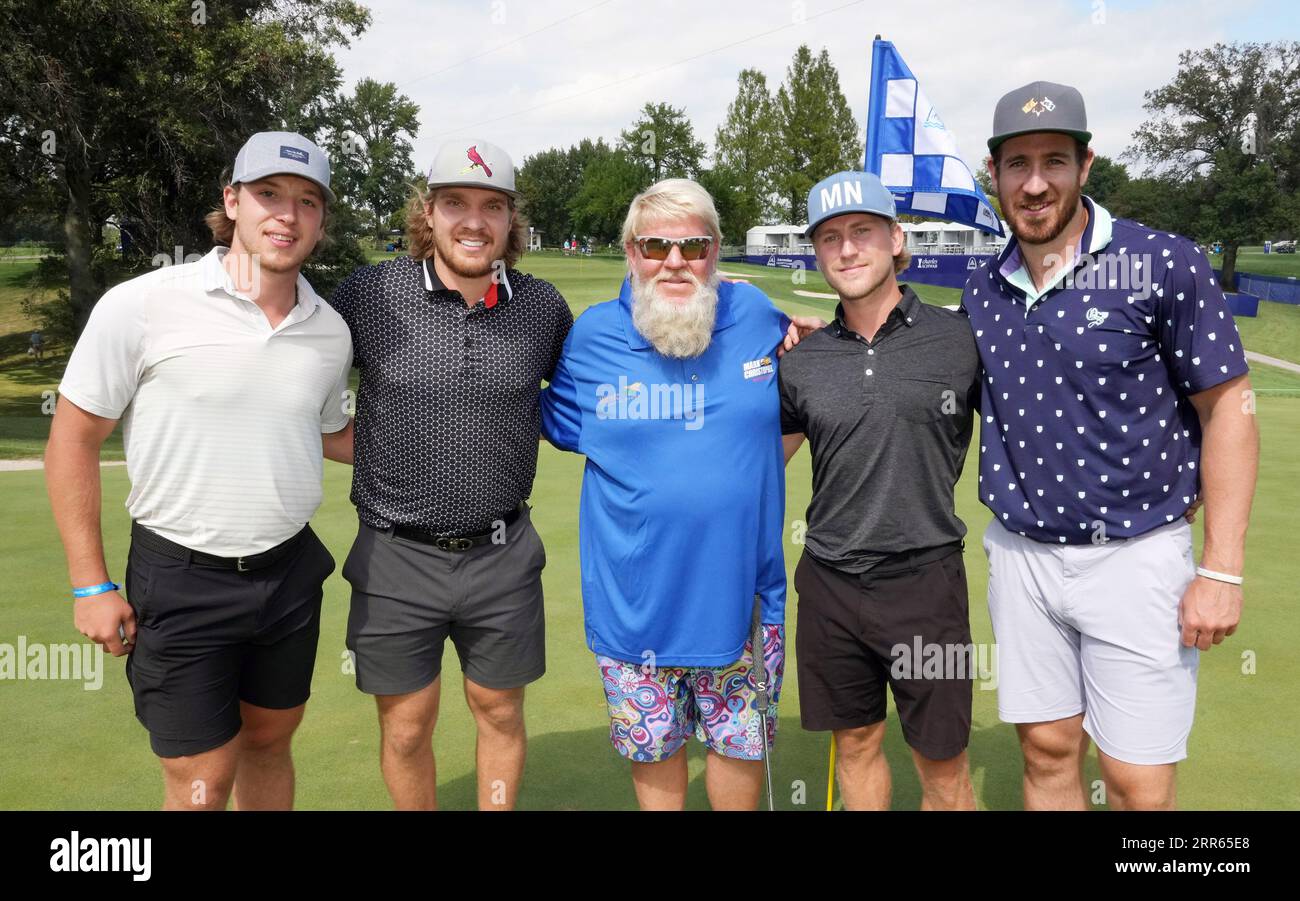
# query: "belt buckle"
{"points": [[454, 544], [239, 565]]}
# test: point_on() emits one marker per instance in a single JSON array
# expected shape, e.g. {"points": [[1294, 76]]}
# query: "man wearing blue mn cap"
{"points": [[884, 396], [1115, 395], [227, 375]]}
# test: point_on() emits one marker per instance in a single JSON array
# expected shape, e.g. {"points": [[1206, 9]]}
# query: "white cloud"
{"points": [[589, 76]]}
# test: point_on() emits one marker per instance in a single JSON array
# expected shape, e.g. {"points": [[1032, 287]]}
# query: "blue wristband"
{"points": [[92, 590]]}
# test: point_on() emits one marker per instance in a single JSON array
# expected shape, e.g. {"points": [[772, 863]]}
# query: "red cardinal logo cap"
{"points": [[473, 164]]}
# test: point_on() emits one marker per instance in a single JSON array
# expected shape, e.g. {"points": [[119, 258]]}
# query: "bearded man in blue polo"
{"points": [[670, 392]]}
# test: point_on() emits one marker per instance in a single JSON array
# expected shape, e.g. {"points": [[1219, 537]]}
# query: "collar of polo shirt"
{"points": [[433, 283], [905, 310], [1011, 264], [216, 278]]}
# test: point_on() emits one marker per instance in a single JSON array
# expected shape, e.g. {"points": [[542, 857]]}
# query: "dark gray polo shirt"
{"points": [[888, 423], [447, 412]]}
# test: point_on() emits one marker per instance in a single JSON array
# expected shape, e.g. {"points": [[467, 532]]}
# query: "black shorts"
{"points": [[850, 640], [208, 638], [408, 598]]}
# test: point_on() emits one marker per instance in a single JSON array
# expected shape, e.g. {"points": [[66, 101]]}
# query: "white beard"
{"points": [[676, 329]]}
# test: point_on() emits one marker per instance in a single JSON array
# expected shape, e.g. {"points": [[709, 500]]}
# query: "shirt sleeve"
{"points": [[564, 323], [561, 414], [333, 414], [107, 362], [782, 320], [792, 423], [344, 300], [1198, 337]]}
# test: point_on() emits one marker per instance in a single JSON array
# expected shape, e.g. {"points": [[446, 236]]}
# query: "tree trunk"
{"points": [[79, 241], [1228, 278]]}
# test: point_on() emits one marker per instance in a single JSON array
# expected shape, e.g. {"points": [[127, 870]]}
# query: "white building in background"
{"points": [[947, 237], [922, 238], [767, 239]]}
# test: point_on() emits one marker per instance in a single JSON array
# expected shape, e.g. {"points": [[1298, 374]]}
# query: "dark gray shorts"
{"points": [[408, 597]]}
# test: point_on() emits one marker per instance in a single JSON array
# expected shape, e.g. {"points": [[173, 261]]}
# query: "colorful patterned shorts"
{"points": [[652, 714]]}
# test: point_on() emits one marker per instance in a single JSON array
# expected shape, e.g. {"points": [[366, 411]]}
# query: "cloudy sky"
{"points": [[533, 75]]}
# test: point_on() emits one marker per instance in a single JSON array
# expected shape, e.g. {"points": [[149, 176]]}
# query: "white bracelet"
{"points": [[1218, 577]]}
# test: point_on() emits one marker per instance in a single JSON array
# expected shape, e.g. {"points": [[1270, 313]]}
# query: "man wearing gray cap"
{"points": [[227, 375], [884, 395], [452, 344], [1114, 398]]}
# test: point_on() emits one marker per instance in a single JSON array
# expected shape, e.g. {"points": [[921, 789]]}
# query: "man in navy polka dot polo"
{"points": [[1114, 400], [453, 345]]}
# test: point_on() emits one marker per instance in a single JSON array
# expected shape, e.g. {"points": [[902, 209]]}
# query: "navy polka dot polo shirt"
{"points": [[1085, 426]]}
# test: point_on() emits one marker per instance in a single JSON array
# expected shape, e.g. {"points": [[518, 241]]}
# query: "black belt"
{"points": [[158, 544], [458, 542], [910, 560]]}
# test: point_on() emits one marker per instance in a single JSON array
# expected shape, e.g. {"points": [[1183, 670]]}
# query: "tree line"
{"points": [[127, 112], [766, 155]]}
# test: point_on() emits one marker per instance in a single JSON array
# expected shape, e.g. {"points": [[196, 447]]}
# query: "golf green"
{"points": [[68, 746]]}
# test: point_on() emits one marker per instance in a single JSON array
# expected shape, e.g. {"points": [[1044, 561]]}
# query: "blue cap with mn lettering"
{"points": [[282, 153], [848, 192]]}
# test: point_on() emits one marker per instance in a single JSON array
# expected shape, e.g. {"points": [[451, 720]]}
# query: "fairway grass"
{"points": [[69, 748]]}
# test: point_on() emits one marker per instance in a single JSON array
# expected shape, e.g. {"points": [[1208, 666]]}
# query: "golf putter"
{"points": [[761, 684]]}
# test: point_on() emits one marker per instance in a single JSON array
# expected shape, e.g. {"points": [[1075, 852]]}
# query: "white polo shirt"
{"points": [[221, 414]]}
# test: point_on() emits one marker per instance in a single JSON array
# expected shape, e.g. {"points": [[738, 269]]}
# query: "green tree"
{"points": [[370, 145], [608, 185], [1227, 126], [663, 141], [1162, 203], [732, 204], [131, 109], [745, 155], [818, 134], [985, 181], [549, 181], [1105, 179]]}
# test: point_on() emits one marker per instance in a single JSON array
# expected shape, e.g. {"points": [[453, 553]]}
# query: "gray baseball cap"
{"points": [[1040, 106], [473, 164], [848, 192], [282, 153]]}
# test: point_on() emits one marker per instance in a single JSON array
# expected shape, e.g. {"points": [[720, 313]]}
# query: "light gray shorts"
{"points": [[409, 597], [1093, 629]]}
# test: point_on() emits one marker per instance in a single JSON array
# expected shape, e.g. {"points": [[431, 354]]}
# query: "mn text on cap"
{"points": [[848, 192]]}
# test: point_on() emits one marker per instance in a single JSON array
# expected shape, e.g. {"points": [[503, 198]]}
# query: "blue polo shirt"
{"points": [[1084, 397], [683, 497]]}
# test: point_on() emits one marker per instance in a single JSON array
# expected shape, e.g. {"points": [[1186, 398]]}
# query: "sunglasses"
{"points": [[658, 248]]}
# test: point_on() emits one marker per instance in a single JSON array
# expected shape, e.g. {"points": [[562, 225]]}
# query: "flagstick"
{"points": [[830, 778]]}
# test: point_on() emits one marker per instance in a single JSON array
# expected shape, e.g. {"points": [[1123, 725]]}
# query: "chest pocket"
{"points": [[924, 399]]}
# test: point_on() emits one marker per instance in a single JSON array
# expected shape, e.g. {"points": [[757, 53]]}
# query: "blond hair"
{"points": [[419, 233], [672, 198]]}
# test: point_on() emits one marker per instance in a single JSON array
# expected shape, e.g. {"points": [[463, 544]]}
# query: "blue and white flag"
{"points": [[912, 151]]}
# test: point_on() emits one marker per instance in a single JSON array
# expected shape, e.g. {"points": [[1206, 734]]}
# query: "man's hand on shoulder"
{"points": [[800, 327]]}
